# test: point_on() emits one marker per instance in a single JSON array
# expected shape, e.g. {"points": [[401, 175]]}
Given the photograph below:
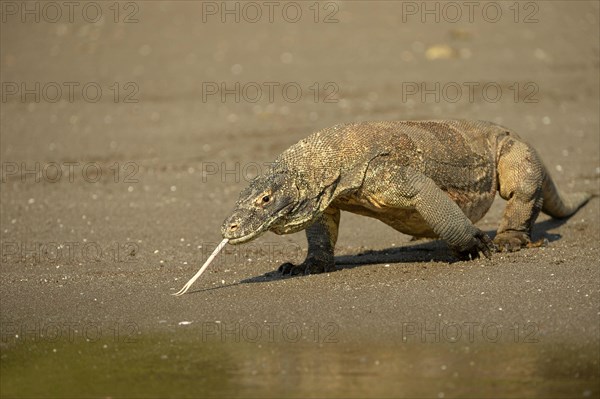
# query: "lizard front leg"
{"points": [[449, 222], [404, 187], [322, 236]]}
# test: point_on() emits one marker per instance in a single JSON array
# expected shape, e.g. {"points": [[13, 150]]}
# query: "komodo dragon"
{"points": [[423, 178]]}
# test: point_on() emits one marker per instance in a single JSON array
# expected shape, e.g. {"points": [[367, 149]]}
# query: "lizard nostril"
{"points": [[233, 226]]}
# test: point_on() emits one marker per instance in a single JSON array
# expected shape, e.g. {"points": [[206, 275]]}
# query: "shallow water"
{"points": [[193, 366]]}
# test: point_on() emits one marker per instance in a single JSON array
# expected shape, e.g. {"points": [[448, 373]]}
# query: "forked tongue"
{"points": [[212, 256]]}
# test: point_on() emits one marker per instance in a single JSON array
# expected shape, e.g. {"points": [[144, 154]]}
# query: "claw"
{"points": [[286, 268], [481, 244], [485, 244], [542, 242], [309, 266], [512, 241]]}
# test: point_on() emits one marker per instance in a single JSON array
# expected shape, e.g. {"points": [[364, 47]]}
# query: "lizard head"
{"points": [[266, 204]]}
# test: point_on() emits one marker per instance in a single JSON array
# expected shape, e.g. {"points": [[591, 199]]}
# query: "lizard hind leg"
{"points": [[520, 179]]}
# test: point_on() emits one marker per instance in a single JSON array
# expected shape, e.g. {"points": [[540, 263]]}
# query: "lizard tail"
{"points": [[558, 204]]}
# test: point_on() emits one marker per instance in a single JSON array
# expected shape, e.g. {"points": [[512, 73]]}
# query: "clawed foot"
{"points": [[309, 266], [511, 241], [480, 243]]}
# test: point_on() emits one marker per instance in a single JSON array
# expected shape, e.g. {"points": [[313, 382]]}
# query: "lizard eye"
{"points": [[263, 200]]}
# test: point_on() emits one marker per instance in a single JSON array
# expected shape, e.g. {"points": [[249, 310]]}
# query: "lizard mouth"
{"points": [[246, 238], [260, 229]]}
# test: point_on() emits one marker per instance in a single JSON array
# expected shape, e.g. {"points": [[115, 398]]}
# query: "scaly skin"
{"points": [[423, 178]]}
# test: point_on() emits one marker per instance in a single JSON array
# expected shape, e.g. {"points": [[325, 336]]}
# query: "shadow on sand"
{"points": [[427, 251]]}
